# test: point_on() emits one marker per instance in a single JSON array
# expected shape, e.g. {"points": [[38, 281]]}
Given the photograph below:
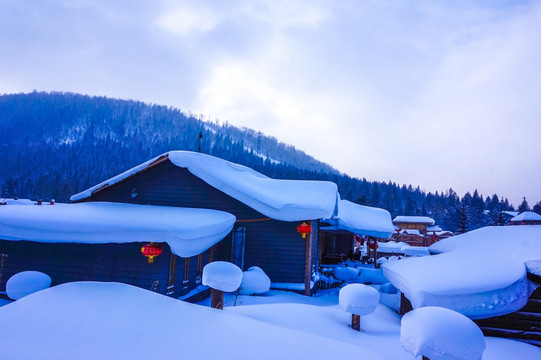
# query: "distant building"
{"points": [[416, 230], [526, 218]]}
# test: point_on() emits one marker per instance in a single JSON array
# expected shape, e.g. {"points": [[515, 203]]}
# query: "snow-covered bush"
{"points": [[346, 273], [254, 281], [358, 299], [327, 280], [222, 275], [439, 333], [372, 276], [26, 283]]}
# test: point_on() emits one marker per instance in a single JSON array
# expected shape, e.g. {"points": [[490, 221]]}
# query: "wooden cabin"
{"points": [[526, 218], [415, 230], [259, 238]]}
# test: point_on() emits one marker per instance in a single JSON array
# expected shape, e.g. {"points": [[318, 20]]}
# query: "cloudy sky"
{"points": [[438, 94]]}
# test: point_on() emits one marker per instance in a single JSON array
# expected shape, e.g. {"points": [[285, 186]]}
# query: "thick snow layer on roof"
{"points": [[187, 231], [479, 274], [392, 247], [19, 202], [414, 220], [434, 228], [527, 216], [364, 220], [91, 320], [441, 334], [286, 200]]}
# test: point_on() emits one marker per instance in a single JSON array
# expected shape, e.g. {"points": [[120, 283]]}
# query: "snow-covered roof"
{"points": [[527, 216], [392, 247], [286, 200], [19, 202], [510, 213], [364, 220], [414, 220], [410, 232], [187, 231], [468, 278], [434, 228]]}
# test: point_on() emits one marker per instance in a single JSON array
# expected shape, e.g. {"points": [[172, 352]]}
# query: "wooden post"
{"points": [[217, 299], [308, 263], [425, 358], [356, 322]]}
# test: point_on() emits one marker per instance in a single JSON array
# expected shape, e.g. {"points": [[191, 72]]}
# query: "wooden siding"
{"points": [[85, 262], [272, 245]]}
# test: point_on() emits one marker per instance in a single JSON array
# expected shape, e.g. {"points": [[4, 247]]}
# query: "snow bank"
{"points": [[222, 275], [416, 251], [26, 283], [187, 231], [287, 200], [372, 276], [441, 334], [358, 299], [254, 281], [364, 220], [346, 273], [479, 274], [90, 320]]}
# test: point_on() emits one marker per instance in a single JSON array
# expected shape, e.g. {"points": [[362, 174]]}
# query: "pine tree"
{"points": [[524, 206], [462, 221]]}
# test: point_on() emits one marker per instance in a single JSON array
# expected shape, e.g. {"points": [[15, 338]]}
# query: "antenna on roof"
{"points": [[199, 138]]}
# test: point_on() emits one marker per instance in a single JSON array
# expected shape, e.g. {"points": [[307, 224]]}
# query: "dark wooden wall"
{"points": [[272, 245], [96, 262]]}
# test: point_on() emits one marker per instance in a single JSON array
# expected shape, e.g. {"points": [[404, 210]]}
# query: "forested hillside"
{"points": [[54, 145]]}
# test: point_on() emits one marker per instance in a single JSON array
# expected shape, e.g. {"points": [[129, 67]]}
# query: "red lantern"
{"points": [[304, 229], [151, 250]]}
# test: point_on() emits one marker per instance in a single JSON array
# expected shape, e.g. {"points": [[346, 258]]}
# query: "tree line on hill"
{"points": [[54, 145]]}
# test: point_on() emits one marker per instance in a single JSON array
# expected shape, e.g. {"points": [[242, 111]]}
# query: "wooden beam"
{"points": [[308, 262]]}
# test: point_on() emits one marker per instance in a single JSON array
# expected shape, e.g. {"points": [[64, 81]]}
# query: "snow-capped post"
{"points": [[306, 229], [221, 276], [358, 299], [438, 333]]}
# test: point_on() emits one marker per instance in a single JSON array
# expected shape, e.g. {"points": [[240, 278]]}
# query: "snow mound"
{"points": [[222, 275], [480, 274], [187, 231], [112, 321], [254, 281], [358, 299], [441, 334], [26, 283], [346, 273]]}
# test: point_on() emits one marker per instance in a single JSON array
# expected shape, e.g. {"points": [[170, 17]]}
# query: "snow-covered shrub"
{"points": [[388, 288], [222, 275], [440, 333], [26, 283], [254, 281], [372, 276], [381, 260], [327, 280], [346, 273]]}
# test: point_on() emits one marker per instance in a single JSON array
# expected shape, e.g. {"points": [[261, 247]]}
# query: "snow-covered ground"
{"points": [[92, 320]]}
